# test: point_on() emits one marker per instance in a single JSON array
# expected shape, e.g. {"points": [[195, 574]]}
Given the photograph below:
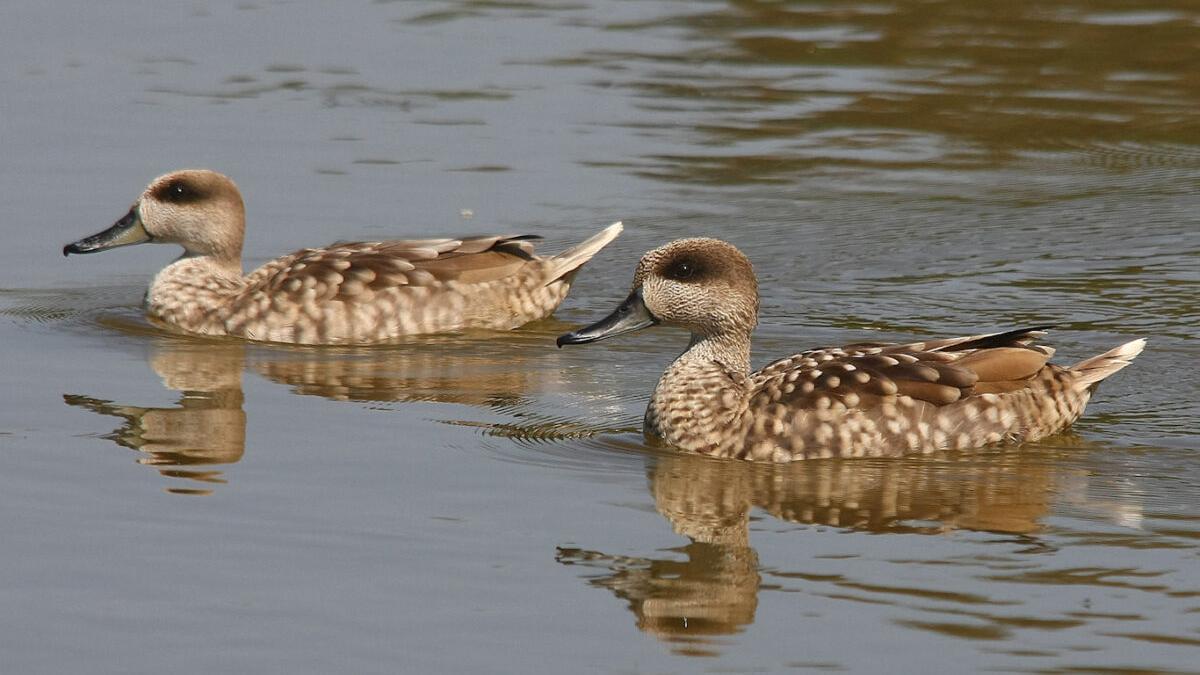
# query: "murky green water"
{"points": [[485, 502]]}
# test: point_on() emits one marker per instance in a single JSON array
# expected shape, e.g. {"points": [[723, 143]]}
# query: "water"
{"points": [[485, 502]]}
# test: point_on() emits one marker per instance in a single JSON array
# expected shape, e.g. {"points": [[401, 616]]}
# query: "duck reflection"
{"points": [[709, 587], [449, 371], [207, 426]]}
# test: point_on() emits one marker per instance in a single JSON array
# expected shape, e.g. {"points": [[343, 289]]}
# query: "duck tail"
{"points": [[573, 258], [1092, 371]]}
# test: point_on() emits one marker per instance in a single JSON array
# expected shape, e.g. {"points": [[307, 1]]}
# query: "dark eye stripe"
{"points": [[179, 192], [683, 270]]}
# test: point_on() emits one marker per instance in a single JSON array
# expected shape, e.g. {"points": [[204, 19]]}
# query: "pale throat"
{"points": [[731, 350]]}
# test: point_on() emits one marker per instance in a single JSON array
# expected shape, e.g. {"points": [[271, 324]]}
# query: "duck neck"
{"points": [[191, 292], [732, 351], [701, 394]]}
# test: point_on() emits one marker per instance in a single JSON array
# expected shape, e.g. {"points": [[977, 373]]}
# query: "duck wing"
{"points": [[938, 372], [354, 271]]}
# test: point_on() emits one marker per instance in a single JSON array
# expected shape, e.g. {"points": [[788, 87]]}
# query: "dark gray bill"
{"points": [[125, 232], [630, 316]]}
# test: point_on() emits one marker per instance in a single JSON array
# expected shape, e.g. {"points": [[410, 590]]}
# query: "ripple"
{"points": [[1144, 18], [1128, 156], [70, 309], [473, 9], [567, 444]]}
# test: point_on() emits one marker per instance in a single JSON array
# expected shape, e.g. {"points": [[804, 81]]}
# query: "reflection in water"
{"points": [[710, 586], [712, 502], [906, 166], [912, 86], [712, 590], [445, 371], [208, 426]]}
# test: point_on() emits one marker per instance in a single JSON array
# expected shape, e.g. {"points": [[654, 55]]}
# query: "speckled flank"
{"points": [[865, 400], [803, 413], [352, 293], [315, 308]]}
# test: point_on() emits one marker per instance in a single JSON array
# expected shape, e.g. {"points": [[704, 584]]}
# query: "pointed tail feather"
{"points": [[571, 259], [1092, 371]]}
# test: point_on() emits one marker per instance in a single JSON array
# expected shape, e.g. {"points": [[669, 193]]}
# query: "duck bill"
{"points": [[630, 316], [125, 232]]}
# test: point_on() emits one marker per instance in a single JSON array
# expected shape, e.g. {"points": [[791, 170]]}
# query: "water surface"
{"points": [[485, 502]]}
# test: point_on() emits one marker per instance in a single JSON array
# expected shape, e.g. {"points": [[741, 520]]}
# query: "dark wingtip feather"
{"points": [[1006, 339]]}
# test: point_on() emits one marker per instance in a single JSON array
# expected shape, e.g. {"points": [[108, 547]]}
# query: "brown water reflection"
{"points": [[711, 586], [208, 425], [834, 88], [450, 370]]}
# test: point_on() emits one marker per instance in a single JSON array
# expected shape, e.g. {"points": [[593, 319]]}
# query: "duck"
{"points": [[347, 293], [869, 399]]}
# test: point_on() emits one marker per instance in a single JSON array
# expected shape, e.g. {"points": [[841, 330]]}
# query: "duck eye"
{"points": [[178, 191], [682, 271]]}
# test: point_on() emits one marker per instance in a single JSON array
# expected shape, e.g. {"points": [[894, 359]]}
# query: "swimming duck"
{"points": [[868, 399], [346, 293]]}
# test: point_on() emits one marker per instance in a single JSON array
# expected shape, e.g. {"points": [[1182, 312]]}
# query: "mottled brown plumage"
{"points": [[348, 293], [869, 399]]}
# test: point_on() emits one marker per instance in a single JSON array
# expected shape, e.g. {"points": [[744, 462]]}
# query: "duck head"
{"points": [[705, 286], [198, 209]]}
